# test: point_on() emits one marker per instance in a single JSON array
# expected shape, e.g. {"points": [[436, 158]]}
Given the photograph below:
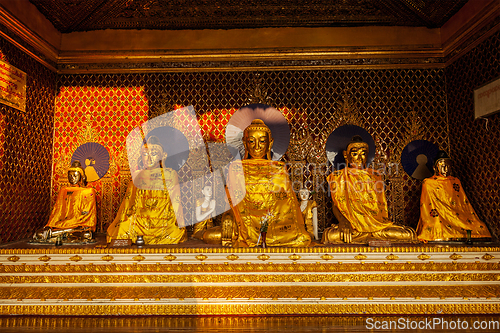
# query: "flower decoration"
{"points": [[264, 222]]}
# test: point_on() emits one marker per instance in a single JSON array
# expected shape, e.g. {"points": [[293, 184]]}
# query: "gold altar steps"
{"points": [[93, 280]]}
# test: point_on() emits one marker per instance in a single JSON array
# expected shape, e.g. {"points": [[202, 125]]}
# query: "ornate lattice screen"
{"points": [[26, 150], [385, 102], [475, 144]]}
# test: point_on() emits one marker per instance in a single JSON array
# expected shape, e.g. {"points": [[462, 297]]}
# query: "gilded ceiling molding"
{"points": [[26, 40], [163, 66], [472, 32], [484, 24]]}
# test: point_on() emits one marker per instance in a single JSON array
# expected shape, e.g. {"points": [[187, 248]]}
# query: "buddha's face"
{"points": [[74, 177], [443, 167], [258, 143], [304, 194], [151, 156], [207, 191], [356, 155]]}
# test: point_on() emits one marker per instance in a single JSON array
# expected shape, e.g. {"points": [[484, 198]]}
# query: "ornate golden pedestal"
{"points": [[274, 281]]}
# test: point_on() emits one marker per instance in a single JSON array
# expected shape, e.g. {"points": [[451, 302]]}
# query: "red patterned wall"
{"points": [[26, 150], [475, 144], [100, 113]]}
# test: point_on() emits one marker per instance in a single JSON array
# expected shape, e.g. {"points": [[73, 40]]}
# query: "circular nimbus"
{"points": [[94, 159], [273, 118], [417, 158], [174, 143], [339, 139]]}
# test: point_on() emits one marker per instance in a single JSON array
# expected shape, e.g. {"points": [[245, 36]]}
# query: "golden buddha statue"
{"points": [[445, 212], [151, 207], [205, 210], [74, 216], [260, 190], [359, 202], [309, 210]]}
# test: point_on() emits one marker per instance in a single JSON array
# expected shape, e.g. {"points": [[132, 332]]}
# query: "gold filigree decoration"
{"points": [[244, 277], [258, 94], [360, 257], [455, 267], [413, 128], [424, 256], [488, 256], [201, 257], [13, 258], [107, 257], [165, 105], [455, 256], [327, 256], [392, 257], [348, 110], [285, 293], [44, 258], [170, 257], [232, 257], [280, 250], [178, 311], [294, 257], [263, 257], [75, 258], [139, 258]]}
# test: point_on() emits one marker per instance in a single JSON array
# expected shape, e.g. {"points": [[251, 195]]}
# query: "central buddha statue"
{"points": [[151, 202], [263, 196], [359, 202]]}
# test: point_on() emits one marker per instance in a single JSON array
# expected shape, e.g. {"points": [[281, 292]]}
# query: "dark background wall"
{"points": [[26, 150], [475, 144]]}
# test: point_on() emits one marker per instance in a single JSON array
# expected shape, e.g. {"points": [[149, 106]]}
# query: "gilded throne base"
{"points": [[242, 281]]}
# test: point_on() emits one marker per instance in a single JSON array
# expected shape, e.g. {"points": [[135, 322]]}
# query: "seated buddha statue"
{"points": [[151, 207], [74, 216], [260, 190], [445, 212], [359, 202]]}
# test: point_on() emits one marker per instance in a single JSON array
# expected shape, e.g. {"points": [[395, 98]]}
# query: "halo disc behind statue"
{"points": [[94, 159], [340, 138], [273, 118], [174, 143], [417, 158]]}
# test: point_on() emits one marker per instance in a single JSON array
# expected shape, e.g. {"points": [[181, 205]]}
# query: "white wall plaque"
{"points": [[487, 99]]}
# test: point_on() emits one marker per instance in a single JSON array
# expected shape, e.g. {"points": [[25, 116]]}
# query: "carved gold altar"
{"points": [[224, 281]]}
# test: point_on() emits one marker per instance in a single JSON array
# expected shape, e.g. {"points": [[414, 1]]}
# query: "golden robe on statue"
{"points": [[446, 213], [75, 207], [360, 197], [148, 211], [359, 202], [268, 190]]}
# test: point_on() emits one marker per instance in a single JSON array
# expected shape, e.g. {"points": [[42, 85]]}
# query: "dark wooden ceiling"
{"points": [[86, 15]]}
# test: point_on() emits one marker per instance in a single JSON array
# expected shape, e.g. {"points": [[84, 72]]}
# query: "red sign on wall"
{"points": [[12, 86]]}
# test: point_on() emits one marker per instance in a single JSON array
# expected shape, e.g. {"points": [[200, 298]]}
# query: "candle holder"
{"points": [[263, 236], [140, 241], [469, 237]]}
